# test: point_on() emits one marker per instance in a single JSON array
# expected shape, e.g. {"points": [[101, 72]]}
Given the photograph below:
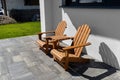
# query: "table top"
{"points": [[58, 37]]}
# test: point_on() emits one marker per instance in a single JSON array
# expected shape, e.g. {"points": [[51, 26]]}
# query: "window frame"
{"points": [[101, 4]]}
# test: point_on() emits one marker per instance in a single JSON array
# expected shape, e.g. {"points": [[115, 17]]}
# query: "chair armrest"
{"points": [[66, 38], [46, 32], [55, 38], [72, 47], [40, 34], [63, 38]]}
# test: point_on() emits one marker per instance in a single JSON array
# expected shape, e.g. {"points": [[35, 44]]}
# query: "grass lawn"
{"points": [[19, 29]]}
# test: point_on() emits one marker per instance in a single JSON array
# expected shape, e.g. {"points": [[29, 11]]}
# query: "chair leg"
{"points": [[66, 64], [54, 58], [47, 42], [55, 45], [47, 50]]}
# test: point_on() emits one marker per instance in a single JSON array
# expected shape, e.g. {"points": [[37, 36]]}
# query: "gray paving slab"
{"points": [[3, 68], [8, 57], [5, 77], [21, 59]]}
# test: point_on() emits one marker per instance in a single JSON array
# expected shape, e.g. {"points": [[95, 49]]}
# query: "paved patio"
{"points": [[21, 59]]}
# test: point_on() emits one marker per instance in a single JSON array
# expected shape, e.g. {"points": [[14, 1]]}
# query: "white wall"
{"points": [[105, 33], [42, 14], [105, 26]]}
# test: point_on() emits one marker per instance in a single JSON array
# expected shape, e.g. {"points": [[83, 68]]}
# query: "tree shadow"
{"points": [[108, 56]]}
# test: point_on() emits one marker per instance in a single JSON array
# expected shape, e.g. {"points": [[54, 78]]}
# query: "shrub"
{"points": [[25, 15], [6, 20]]}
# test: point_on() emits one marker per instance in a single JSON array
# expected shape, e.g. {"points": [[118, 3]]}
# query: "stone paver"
{"points": [[21, 59]]}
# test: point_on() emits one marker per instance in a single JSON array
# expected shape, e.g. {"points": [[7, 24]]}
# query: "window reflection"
{"points": [[73, 0], [90, 1]]}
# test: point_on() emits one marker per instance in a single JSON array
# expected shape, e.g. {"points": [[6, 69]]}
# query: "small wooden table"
{"points": [[57, 38]]}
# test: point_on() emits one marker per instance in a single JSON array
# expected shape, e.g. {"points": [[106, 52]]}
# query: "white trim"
{"points": [[42, 15]]}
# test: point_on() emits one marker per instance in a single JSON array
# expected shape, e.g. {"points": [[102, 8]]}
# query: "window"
{"points": [[31, 2], [92, 3]]}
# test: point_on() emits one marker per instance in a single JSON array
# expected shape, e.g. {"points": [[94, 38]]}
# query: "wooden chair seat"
{"points": [[43, 43], [60, 55]]}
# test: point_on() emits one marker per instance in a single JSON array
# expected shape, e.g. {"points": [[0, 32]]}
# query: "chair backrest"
{"points": [[81, 37], [60, 28]]}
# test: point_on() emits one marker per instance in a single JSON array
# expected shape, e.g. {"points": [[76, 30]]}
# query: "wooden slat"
{"points": [[60, 28], [82, 38]]}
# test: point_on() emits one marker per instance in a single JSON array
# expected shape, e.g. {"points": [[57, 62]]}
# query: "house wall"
{"points": [[20, 12], [0, 4], [18, 4], [105, 28], [50, 14]]}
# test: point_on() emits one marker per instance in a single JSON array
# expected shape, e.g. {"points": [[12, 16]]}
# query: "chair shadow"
{"points": [[79, 69], [108, 56]]}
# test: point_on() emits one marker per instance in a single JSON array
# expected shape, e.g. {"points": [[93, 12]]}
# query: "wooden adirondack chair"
{"points": [[65, 55], [46, 44]]}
